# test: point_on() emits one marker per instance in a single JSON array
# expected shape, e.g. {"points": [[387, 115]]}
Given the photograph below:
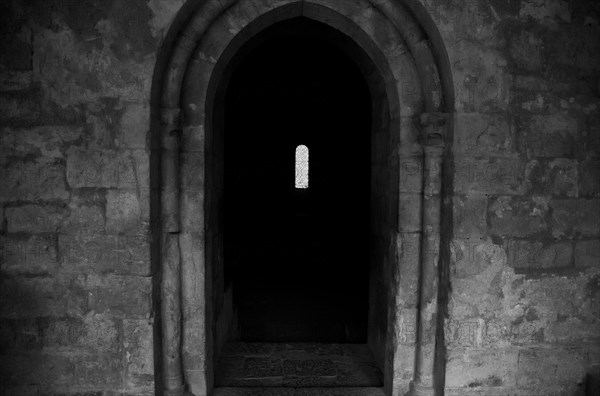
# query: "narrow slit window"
{"points": [[302, 167]]}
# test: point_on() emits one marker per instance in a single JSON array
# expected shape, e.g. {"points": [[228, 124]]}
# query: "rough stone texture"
{"points": [[75, 286], [74, 253], [510, 329]]}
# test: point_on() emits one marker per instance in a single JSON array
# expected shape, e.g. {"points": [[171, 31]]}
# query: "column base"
{"points": [[420, 390], [174, 392]]}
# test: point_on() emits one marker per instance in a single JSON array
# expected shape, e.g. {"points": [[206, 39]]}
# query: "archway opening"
{"points": [[300, 265], [297, 258]]}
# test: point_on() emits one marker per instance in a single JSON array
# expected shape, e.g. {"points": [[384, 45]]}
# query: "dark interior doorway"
{"points": [[297, 259]]}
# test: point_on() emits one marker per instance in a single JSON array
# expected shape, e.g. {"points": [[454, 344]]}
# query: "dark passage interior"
{"points": [[297, 259]]}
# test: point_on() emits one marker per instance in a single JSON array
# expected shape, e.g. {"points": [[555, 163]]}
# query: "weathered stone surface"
{"points": [[483, 134], [587, 254], [481, 78], [589, 178], [558, 177], [138, 343], [411, 171], [36, 369], [473, 368], [135, 125], [101, 369], [550, 136], [525, 254], [566, 365], [35, 218], [30, 256], [518, 217], [409, 212], [105, 254], [470, 215], [38, 297], [27, 180], [573, 217], [494, 175], [122, 296], [92, 332], [123, 213], [45, 141], [107, 169], [86, 216], [526, 50]]}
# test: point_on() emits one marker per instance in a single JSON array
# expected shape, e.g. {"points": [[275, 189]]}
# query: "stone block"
{"points": [[33, 255], [45, 141], [555, 369], [15, 80], [35, 218], [575, 47], [483, 134], [134, 125], [92, 332], [101, 169], [525, 254], [32, 180], [493, 175], [138, 343], [554, 135], [41, 297], [557, 255], [98, 370], [558, 177], [517, 217], [470, 215], [526, 50], [545, 12], [43, 369], [589, 179], [123, 213], [19, 335], [587, 254], [105, 254], [20, 107], [85, 218], [574, 217], [474, 368], [122, 296], [471, 257], [481, 78]]}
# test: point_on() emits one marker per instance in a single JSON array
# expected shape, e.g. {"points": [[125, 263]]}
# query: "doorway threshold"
{"points": [[299, 392], [297, 369]]}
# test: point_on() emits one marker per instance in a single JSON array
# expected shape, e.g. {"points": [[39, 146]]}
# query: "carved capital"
{"points": [[433, 129]]}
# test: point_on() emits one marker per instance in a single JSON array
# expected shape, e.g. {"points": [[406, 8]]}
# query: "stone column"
{"points": [[170, 256], [432, 140]]}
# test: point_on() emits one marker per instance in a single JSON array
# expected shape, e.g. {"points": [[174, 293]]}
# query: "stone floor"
{"points": [[299, 392], [297, 369]]}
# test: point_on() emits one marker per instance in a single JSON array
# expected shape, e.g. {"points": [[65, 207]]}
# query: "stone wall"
{"points": [[524, 304], [76, 279], [76, 307]]}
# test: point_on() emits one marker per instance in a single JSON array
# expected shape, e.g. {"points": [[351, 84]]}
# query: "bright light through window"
{"points": [[301, 166]]}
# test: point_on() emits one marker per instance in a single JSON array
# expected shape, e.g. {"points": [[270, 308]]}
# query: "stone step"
{"points": [[367, 391], [297, 365]]}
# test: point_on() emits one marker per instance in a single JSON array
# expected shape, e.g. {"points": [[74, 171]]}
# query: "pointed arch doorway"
{"points": [[296, 256], [200, 131]]}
